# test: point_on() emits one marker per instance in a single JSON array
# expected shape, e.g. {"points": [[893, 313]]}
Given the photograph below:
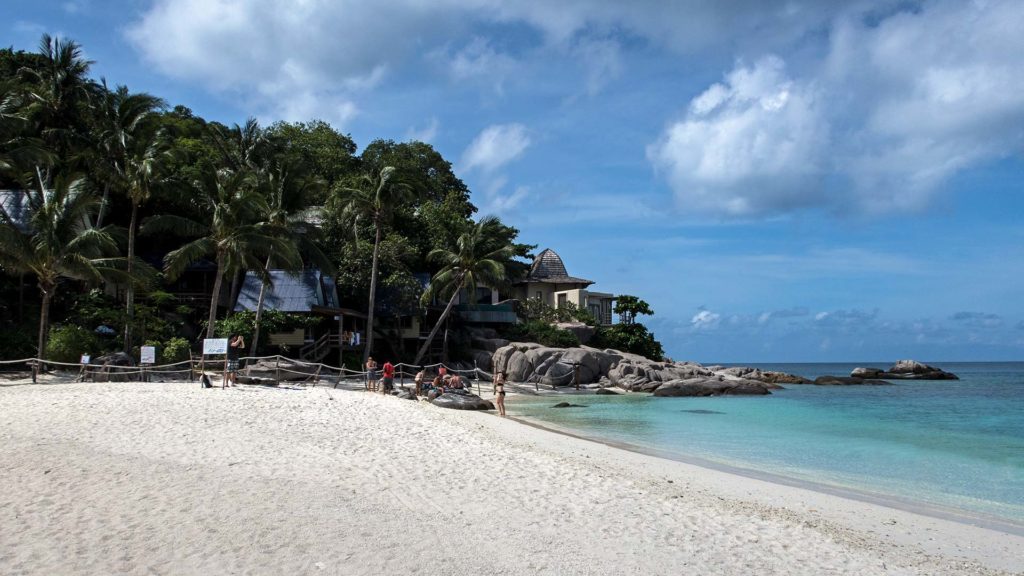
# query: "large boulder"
{"points": [[865, 373], [116, 367], [713, 386], [766, 376], [583, 332], [606, 392], [914, 370], [457, 401]]}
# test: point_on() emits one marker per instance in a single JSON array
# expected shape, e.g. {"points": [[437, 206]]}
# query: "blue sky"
{"points": [[782, 181]]}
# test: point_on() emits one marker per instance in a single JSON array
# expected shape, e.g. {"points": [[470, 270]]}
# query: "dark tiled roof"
{"points": [[289, 293], [549, 268]]}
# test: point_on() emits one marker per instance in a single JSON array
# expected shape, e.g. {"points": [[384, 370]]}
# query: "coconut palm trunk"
{"points": [[130, 292], [437, 326], [215, 297], [259, 307], [44, 319], [373, 294]]}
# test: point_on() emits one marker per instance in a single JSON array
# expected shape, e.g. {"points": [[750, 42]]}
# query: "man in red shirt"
{"points": [[389, 378]]}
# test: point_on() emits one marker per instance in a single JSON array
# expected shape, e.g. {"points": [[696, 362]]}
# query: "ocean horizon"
{"points": [[955, 445]]}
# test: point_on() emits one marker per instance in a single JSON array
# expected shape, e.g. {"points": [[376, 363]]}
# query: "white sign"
{"points": [[215, 346], [85, 359], [148, 355]]}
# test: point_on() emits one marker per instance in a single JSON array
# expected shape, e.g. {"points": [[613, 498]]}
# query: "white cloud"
{"points": [[753, 144], [495, 146], [705, 320], [893, 110]]}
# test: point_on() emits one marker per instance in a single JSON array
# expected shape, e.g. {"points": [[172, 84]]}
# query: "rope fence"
{"points": [[196, 366]]}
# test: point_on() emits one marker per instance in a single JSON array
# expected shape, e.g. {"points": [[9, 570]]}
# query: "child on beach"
{"points": [[499, 393], [420, 376]]}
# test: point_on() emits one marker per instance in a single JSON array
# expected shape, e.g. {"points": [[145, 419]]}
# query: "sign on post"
{"points": [[147, 355], [84, 359], [213, 346]]}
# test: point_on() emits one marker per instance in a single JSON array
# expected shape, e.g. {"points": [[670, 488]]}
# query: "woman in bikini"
{"points": [[499, 393]]}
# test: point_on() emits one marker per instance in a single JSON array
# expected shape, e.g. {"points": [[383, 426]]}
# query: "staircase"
{"points": [[318, 350]]}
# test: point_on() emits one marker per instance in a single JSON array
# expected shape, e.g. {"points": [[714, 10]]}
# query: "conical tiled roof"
{"points": [[548, 267]]}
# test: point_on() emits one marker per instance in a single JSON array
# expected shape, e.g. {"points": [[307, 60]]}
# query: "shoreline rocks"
{"points": [[906, 370]]}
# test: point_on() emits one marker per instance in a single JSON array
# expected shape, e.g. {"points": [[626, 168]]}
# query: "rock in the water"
{"points": [[848, 381], [606, 392], [703, 412], [568, 405], [866, 373], [462, 402], [703, 386], [914, 370]]}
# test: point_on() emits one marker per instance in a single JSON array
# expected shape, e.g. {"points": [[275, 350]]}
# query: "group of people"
{"points": [[374, 382]]}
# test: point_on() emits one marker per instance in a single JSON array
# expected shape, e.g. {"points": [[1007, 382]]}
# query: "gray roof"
{"points": [[549, 268], [289, 293], [14, 204]]}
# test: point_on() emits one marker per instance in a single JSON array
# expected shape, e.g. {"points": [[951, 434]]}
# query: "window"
{"points": [[562, 300], [540, 295]]}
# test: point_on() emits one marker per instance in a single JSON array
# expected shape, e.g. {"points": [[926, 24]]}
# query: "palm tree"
{"points": [[480, 257], [60, 242], [375, 200], [57, 89], [232, 233], [134, 155], [285, 185]]}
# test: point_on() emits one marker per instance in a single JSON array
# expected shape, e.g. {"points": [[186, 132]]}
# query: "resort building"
{"points": [[549, 282], [310, 293]]}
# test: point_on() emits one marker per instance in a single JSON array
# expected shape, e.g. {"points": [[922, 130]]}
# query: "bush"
{"points": [[536, 309], [68, 343], [174, 350], [542, 333], [632, 338], [17, 344]]}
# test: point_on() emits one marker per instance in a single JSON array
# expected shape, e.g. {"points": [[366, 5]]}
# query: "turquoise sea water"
{"points": [[953, 444]]}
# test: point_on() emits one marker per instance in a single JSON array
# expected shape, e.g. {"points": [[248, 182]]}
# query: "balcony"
{"points": [[486, 313]]}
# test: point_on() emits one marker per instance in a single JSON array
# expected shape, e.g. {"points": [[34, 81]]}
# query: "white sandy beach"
{"points": [[104, 478]]}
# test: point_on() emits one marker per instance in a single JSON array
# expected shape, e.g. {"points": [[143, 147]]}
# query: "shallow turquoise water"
{"points": [[956, 444]]}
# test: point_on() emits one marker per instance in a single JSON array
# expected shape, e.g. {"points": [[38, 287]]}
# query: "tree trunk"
{"points": [[103, 206], [259, 308], [215, 297], [373, 295], [44, 322], [232, 293], [430, 337], [129, 308]]}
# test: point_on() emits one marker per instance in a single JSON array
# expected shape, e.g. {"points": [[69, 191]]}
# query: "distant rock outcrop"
{"points": [[848, 381], [713, 386], [905, 370]]}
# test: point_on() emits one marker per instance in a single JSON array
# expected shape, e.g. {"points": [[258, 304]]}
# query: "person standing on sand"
{"points": [[371, 374], [235, 345], [499, 393]]}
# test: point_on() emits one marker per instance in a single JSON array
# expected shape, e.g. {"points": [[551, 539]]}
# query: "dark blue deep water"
{"points": [[954, 444]]}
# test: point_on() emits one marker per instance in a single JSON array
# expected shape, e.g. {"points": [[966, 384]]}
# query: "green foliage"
{"points": [[16, 344], [628, 307], [67, 343], [537, 309], [271, 322], [174, 350], [542, 333], [633, 338]]}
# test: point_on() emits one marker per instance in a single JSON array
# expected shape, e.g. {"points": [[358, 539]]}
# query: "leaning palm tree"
{"points": [[56, 242], [374, 200], [285, 184], [231, 232], [479, 257], [134, 156]]}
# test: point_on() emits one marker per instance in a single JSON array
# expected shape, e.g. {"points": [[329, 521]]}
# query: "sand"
{"points": [[166, 478]]}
